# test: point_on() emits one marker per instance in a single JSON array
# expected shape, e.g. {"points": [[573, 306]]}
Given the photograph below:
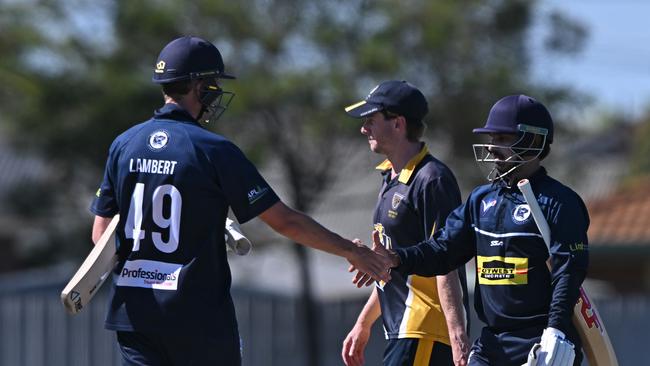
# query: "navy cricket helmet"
{"points": [[187, 58], [524, 117], [511, 112]]}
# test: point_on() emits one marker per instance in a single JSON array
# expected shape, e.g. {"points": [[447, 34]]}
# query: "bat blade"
{"points": [[595, 340], [92, 273]]}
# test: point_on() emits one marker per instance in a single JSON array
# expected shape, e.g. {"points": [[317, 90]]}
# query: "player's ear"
{"points": [[399, 123]]}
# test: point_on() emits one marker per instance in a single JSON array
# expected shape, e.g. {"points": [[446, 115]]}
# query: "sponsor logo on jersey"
{"points": [[150, 274], [520, 214], [497, 270], [158, 140], [496, 243], [256, 193], [486, 205], [579, 247]]}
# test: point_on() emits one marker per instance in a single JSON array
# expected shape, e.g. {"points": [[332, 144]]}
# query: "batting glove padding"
{"points": [[235, 239], [553, 350]]}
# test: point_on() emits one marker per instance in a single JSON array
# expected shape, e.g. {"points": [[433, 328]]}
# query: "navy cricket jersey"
{"points": [[514, 289], [409, 209], [172, 182]]}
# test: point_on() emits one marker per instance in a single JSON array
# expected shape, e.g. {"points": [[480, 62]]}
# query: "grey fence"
{"points": [[35, 330]]}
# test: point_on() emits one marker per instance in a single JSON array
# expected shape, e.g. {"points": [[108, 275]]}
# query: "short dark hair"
{"points": [[177, 89], [414, 127]]}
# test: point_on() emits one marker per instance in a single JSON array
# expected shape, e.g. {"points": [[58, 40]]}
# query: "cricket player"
{"points": [[424, 318], [527, 309], [172, 182]]}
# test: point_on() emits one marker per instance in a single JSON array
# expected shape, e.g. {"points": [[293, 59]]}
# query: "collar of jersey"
{"points": [[407, 171], [174, 112], [533, 179]]}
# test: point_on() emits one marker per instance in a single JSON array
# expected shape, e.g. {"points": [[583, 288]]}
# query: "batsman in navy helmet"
{"points": [[193, 64], [528, 127], [526, 307], [173, 183]]}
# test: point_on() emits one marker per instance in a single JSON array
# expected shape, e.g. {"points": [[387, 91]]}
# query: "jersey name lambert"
{"points": [[152, 166]]}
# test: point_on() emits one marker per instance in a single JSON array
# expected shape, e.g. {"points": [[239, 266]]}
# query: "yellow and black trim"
{"points": [[407, 171]]}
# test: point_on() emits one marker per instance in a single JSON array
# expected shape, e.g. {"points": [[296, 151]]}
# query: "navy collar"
{"points": [[174, 112], [538, 176]]}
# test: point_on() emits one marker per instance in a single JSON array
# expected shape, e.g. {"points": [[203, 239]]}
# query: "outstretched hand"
{"points": [[374, 267], [363, 278]]}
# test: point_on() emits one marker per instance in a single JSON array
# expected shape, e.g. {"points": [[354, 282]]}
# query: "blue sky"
{"points": [[614, 66]]}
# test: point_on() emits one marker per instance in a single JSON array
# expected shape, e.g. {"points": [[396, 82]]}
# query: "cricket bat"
{"points": [[595, 340], [93, 271]]}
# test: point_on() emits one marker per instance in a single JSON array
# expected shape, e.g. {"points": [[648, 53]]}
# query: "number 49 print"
{"points": [[133, 225]]}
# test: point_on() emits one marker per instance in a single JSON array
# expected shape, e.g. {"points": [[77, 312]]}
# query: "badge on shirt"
{"points": [[158, 140], [397, 198], [520, 214]]}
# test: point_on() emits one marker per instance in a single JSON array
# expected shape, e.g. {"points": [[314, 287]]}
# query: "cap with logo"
{"points": [[516, 113], [188, 58], [395, 96]]}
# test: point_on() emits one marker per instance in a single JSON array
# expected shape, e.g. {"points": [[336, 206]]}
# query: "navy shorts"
{"points": [[149, 349], [417, 352]]}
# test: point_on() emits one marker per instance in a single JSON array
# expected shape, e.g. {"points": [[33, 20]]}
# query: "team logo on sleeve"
{"points": [[520, 214], [158, 140]]}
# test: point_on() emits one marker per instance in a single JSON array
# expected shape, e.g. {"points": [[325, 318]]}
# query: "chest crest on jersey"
{"points": [[520, 214], [397, 199]]}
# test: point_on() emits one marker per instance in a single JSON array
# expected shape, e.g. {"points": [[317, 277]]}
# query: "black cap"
{"points": [[509, 112], [188, 58], [399, 97]]}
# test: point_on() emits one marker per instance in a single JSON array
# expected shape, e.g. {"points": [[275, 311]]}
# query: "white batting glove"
{"points": [[552, 350], [235, 239]]}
